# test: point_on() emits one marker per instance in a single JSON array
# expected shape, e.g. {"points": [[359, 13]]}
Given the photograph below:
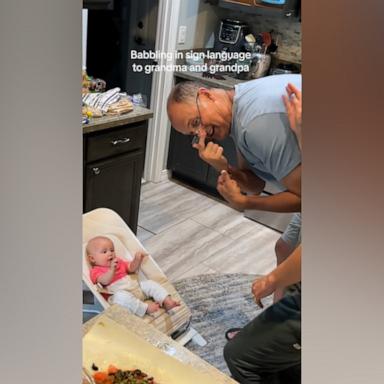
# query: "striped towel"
{"points": [[102, 100]]}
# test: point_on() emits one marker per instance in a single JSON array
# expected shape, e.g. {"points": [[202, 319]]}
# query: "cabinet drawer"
{"points": [[115, 141]]}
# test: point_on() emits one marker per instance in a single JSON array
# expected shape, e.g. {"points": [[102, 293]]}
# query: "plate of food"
{"points": [[113, 354]]}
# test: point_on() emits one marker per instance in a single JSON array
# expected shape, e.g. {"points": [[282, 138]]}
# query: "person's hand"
{"points": [[140, 256], [231, 192], [135, 264], [114, 264], [211, 153], [293, 105], [263, 287]]}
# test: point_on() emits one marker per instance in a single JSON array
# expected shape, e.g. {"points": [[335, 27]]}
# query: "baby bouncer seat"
{"points": [[105, 222]]}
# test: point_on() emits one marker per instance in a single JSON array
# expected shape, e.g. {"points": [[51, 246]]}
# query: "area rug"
{"points": [[218, 302]]}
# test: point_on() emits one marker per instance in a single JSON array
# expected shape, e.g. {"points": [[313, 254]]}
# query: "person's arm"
{"points": [[285, 274], [293, 105], [211, 152], [245, 178], [107, 277], [287, 201], [135, 264]]}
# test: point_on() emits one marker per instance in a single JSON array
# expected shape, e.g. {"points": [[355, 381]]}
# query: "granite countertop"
{"points": [[228, 83], [161, 341], [105, 122]]}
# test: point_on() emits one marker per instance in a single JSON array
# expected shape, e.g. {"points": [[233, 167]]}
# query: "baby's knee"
{"points": [[120, 297]]}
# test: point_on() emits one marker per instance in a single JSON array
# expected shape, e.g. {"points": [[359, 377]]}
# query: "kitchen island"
{"points": [[159, 340]]}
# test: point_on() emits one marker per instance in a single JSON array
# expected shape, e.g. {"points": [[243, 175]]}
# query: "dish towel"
{"points": [[102, 100]]}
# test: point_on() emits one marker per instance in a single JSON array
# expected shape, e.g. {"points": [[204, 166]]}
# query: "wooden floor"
{"points": [[189, 233]]}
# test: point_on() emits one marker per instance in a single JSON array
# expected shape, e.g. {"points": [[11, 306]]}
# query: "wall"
{"points": [[84, 38], [201, 20]]}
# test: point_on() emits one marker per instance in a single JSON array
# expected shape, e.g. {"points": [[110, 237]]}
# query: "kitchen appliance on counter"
{"points": [[259, 66], [283, 69], [231, 36]]}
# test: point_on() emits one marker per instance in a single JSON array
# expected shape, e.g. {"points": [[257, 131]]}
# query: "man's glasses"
{"points": [[197, 122]]}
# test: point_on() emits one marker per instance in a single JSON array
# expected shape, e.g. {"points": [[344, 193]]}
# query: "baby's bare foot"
{"points": [[169, 303], [153, 307]]}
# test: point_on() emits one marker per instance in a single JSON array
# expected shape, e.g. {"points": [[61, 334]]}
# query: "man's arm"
{"points": [[245, 178], [287, 201], [213, 154], [287, 273]]}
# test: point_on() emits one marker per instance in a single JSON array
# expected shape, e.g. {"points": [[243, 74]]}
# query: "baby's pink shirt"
{"points": [[120, 272]]}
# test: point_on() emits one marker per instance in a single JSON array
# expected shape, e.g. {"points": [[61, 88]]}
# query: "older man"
{"points": [[254, 115]]}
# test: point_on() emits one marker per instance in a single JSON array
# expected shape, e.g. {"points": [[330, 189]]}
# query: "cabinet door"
{"points": [[184, 160], [115, 183], [241, 2]]}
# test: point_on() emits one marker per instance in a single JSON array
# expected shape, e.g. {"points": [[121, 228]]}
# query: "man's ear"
{"points": [[206, 92]]}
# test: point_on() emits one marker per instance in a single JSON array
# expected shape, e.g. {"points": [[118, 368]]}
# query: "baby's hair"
{"points": [[87, 250]]}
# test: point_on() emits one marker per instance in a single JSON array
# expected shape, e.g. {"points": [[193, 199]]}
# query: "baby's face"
{"points": [[102, 252]]}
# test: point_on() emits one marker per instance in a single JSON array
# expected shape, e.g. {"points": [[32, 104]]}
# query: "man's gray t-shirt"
{"points": [[260, 127]]}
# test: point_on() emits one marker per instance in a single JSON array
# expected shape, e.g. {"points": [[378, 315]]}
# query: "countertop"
{"points": [[228, 83], [161, 341], [105, 122]]}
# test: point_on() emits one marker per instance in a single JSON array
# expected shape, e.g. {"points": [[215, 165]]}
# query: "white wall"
{"points": [[201, 20], [84, 38]]}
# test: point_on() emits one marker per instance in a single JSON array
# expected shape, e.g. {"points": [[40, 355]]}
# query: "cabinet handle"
{"points": [[121, 141], [96, 170]]}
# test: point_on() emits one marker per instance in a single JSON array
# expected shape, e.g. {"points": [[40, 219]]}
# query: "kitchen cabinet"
{"points": [[113, 166], [98, 4], [288, 9]]}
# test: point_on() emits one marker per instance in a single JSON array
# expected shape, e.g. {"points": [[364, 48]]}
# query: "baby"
{"points": [[112, 272]]}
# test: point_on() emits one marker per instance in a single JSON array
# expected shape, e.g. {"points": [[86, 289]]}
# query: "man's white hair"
{"points": [[185, 92]]}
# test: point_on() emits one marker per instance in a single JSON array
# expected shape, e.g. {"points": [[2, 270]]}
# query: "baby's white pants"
{"points": [[128, 300]]}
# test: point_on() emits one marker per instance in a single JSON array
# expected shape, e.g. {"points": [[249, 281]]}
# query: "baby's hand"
{"points": [[137, 260], [114, 264], [140, 256]]}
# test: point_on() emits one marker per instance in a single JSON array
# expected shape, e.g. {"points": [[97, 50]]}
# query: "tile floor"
{"points": [[189, 233]]}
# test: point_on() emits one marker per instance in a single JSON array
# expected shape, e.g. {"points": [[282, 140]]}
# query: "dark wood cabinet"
{"points": [[287, 9], [113, 167], [184, 160]]}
